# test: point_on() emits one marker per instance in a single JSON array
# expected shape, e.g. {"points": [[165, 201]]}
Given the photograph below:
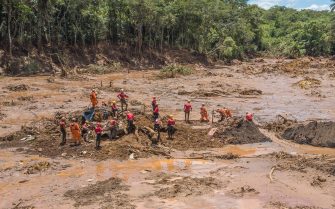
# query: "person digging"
{"points": [[203, 113]]}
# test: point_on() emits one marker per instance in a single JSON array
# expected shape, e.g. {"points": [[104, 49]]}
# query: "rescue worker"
{"points": [[153, 103], [98, 132], [130, 120], [224, 113], [158, 125], [249, 117], [113, 125], [156, 112], [114, 109], [157, 128], [203, 113], [94, 99], [187, 110], [75, 131], [62, 126], [85, 132], [170, 129], [123, 99]]}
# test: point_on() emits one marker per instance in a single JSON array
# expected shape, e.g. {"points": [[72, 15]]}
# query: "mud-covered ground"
{"points": [[232, 164]]}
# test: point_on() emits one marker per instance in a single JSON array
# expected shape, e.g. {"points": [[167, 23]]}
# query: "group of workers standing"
{"points": [[78, 133]]}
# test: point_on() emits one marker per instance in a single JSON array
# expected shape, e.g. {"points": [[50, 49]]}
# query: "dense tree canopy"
{"points": [[224, 29]]}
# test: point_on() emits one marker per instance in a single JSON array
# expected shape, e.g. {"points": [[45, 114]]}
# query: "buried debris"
{"points": [[18, 87], [108, 193], [308, 83], [38, 167], [177, 186]]}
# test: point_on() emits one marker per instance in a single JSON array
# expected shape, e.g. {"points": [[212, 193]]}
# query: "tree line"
{"points": [[224, 29]]}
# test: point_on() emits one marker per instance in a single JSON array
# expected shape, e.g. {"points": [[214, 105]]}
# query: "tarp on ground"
{"points": [[89, 114]]}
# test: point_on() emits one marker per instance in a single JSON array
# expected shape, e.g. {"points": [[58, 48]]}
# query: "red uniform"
{"points": [[98, 130], [114, 107], [154, 102], [171, 122], [156, 110], [122, 95], [112, 123], [130, 116], [62, 125], [249, 117], [187, 107]]}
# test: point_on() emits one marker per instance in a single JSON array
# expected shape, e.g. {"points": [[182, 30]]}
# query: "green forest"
{"points": [[224, 29]]}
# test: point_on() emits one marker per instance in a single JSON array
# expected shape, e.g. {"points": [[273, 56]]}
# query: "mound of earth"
{"points": [[238, 131], [109, 193], [314, 133], [301, 163], [177, 186]]}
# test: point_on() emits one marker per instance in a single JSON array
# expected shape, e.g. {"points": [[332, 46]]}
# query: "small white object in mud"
{"points": [[132, 156], [28, 138], [212, 131], [90, 180], [64, 154], [83, 152]]}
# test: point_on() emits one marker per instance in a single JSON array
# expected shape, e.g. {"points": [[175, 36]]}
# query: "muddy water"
{"points": [[46, 188]]}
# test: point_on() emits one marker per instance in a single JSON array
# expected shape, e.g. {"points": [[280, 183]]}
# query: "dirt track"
{"points": [[194, 170]]}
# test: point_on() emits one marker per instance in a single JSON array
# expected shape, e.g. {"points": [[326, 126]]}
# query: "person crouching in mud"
{"points": [[85, 132], [171, 129], [98, 132]]}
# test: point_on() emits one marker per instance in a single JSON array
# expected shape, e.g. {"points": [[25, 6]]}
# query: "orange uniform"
{"points": [[94, 99], [204, 114], [75, 131]]}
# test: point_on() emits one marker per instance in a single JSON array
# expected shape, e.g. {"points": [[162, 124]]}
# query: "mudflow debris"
{"points": [[238, 131], [314, 133]]}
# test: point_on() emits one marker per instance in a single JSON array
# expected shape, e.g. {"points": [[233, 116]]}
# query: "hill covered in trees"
{"points": [[220, 29]]}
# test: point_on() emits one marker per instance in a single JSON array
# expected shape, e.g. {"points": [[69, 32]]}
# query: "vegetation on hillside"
{"points": [[222, 29]]}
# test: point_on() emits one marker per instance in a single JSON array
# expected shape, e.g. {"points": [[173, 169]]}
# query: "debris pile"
{"points": [[109, 193], [18, 87], [238, 131], [314, 133], [308, 83], [38, 167], [177, 186]]}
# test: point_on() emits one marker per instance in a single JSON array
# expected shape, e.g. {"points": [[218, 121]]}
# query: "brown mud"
{"points": [[195, 169]]}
